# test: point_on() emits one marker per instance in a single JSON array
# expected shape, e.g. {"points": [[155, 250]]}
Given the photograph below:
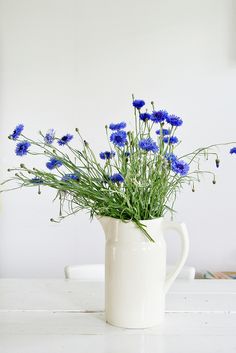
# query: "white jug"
{"points": [[135, 271]]}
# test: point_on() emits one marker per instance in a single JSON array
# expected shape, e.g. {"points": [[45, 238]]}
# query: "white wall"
{"points": [[68, 63]]}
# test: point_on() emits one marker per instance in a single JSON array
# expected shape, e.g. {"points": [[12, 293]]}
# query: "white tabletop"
{"points": [[47, 316]]}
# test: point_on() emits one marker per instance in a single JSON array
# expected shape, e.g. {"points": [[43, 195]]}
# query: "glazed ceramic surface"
{"points": [[135, 271]]}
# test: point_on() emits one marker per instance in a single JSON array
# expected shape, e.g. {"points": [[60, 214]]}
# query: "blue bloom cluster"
{"points": [[22, 148], [107, 154], [117, 178], [148, 145], [49, 137], [233, 150], [170, 157], [118, 126], [144, 116], [16, 133], [171, 140], [180, 167], [53, 163], [68, 177], [159, 116], [174, 120], [119, 138], [138, 103], [164, 132], [65, 139]]}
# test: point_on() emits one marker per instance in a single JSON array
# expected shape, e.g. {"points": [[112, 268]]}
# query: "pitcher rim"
{"points": [[130, 220]]}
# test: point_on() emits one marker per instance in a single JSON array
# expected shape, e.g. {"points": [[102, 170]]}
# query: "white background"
{"points": [[74, 63]]}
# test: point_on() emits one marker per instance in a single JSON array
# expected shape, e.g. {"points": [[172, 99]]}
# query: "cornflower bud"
{"points": [[217, 162]]}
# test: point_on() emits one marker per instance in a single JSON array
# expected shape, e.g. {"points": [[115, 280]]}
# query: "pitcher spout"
{"points": [[105, 223]]}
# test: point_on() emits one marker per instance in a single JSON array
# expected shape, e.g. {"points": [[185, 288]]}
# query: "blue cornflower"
{"points": [[148, 145], [164, 132], [65, 139], [16, 133], [117, 178], [159, 116], [138, 103], [174, 120], [68, 177], [119, 138], [233, 150], [145, 116], [118, 126], [170, 157], [171, 140], [53, 163], [180, 167], [107, 154], [36, 180], [49, 137], [22, 148]]}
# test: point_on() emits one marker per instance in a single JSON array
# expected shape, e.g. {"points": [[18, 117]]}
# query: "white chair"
{"points": [[92, 272], [96, 272]]}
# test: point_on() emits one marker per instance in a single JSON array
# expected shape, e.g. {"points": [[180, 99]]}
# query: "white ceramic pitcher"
{"points": [[135, 271]]}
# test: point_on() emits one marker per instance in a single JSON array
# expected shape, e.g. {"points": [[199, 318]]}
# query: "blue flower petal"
{"points": [[138, 103], [65, 139], [119, 138], [22, 148], [118, 126], [148, 145], [117, 178], [16, 133]]}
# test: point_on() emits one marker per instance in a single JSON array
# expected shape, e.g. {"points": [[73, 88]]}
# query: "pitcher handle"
{"points": [[182, 230]]}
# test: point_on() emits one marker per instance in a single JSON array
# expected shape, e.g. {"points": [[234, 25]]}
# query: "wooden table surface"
{"points": [[54, 315]]}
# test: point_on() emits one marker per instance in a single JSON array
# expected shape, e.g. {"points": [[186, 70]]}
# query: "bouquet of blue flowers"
{"points": [[136, 178]]}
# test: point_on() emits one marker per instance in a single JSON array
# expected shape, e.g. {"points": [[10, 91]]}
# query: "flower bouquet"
{"points": [[136, 178], [129, 187]]}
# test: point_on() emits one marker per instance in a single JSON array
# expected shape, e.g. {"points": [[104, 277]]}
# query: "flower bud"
{"points": [[22, 165], [217, 162], [76, 129]]}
